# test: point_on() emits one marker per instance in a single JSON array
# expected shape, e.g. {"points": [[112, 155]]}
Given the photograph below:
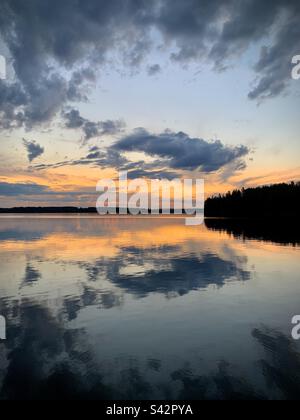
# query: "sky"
{"points": [[161, 89]]}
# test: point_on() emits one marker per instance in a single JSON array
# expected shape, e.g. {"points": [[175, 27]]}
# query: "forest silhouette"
{"points": [[279, 200]]}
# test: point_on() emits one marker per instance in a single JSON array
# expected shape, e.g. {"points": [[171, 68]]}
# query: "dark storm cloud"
{"points": [[41, 192], [109, 158], [153, 70], [274, 65], [152, 174], [45, 37], [34, 150], [222, 30], [7, 189], [182, 152], [91, 129], [53, 45], [74, 119], [157, 169], [175, 152]]}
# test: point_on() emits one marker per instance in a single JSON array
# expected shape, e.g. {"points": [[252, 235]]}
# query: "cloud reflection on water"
{"points": [[70, 287]]}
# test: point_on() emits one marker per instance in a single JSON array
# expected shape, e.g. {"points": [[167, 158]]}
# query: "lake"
{"points": [[146, 308]]}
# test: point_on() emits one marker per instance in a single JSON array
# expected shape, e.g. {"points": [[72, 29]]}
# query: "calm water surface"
{"points": [[145, 308]]}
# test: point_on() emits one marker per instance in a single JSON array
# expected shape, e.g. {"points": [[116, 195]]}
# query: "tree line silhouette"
{"points": [[261, 202], [279, 200]]}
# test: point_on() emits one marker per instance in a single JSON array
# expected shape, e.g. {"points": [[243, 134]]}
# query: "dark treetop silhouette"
{"points": [[280, 200]]}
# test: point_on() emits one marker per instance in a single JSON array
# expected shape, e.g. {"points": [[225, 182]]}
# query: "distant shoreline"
{"points": [[51, 210], [287, 218], [75, 210]]}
